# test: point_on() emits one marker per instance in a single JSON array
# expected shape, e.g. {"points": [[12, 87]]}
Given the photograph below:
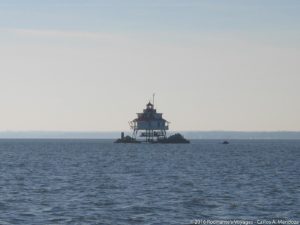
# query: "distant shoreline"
{"points": [[193, 135]]}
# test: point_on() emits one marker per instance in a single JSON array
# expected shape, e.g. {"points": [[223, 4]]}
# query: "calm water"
{"points": [[98, 182]]}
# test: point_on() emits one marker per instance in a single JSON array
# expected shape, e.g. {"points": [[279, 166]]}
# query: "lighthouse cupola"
{"points": [[149, 105]]}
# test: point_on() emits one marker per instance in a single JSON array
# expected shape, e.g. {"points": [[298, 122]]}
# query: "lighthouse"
{"points": [[149, 125]]}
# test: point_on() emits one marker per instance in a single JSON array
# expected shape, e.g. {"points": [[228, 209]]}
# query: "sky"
{"points": [[91, 65]]}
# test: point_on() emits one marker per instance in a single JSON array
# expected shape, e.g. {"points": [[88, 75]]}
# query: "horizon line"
{"points": [[115, 131]]}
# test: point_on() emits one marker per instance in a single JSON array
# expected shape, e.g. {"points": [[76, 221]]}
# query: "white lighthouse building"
{"points": [[149, 124]]}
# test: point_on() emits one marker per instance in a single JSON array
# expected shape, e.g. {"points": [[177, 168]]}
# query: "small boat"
{"points": [[225, 143]]}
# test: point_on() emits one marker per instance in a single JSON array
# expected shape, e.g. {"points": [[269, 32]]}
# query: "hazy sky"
{"points": [[90, 65]]}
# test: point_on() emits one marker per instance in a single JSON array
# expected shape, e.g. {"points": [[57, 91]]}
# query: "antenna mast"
{"points": [[153, 99]]}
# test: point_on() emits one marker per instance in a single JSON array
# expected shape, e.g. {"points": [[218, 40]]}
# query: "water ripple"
{"points": [[98, 182]]}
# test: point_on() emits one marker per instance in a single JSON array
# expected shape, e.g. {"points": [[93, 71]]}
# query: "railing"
{"points": [[155, 134]]}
